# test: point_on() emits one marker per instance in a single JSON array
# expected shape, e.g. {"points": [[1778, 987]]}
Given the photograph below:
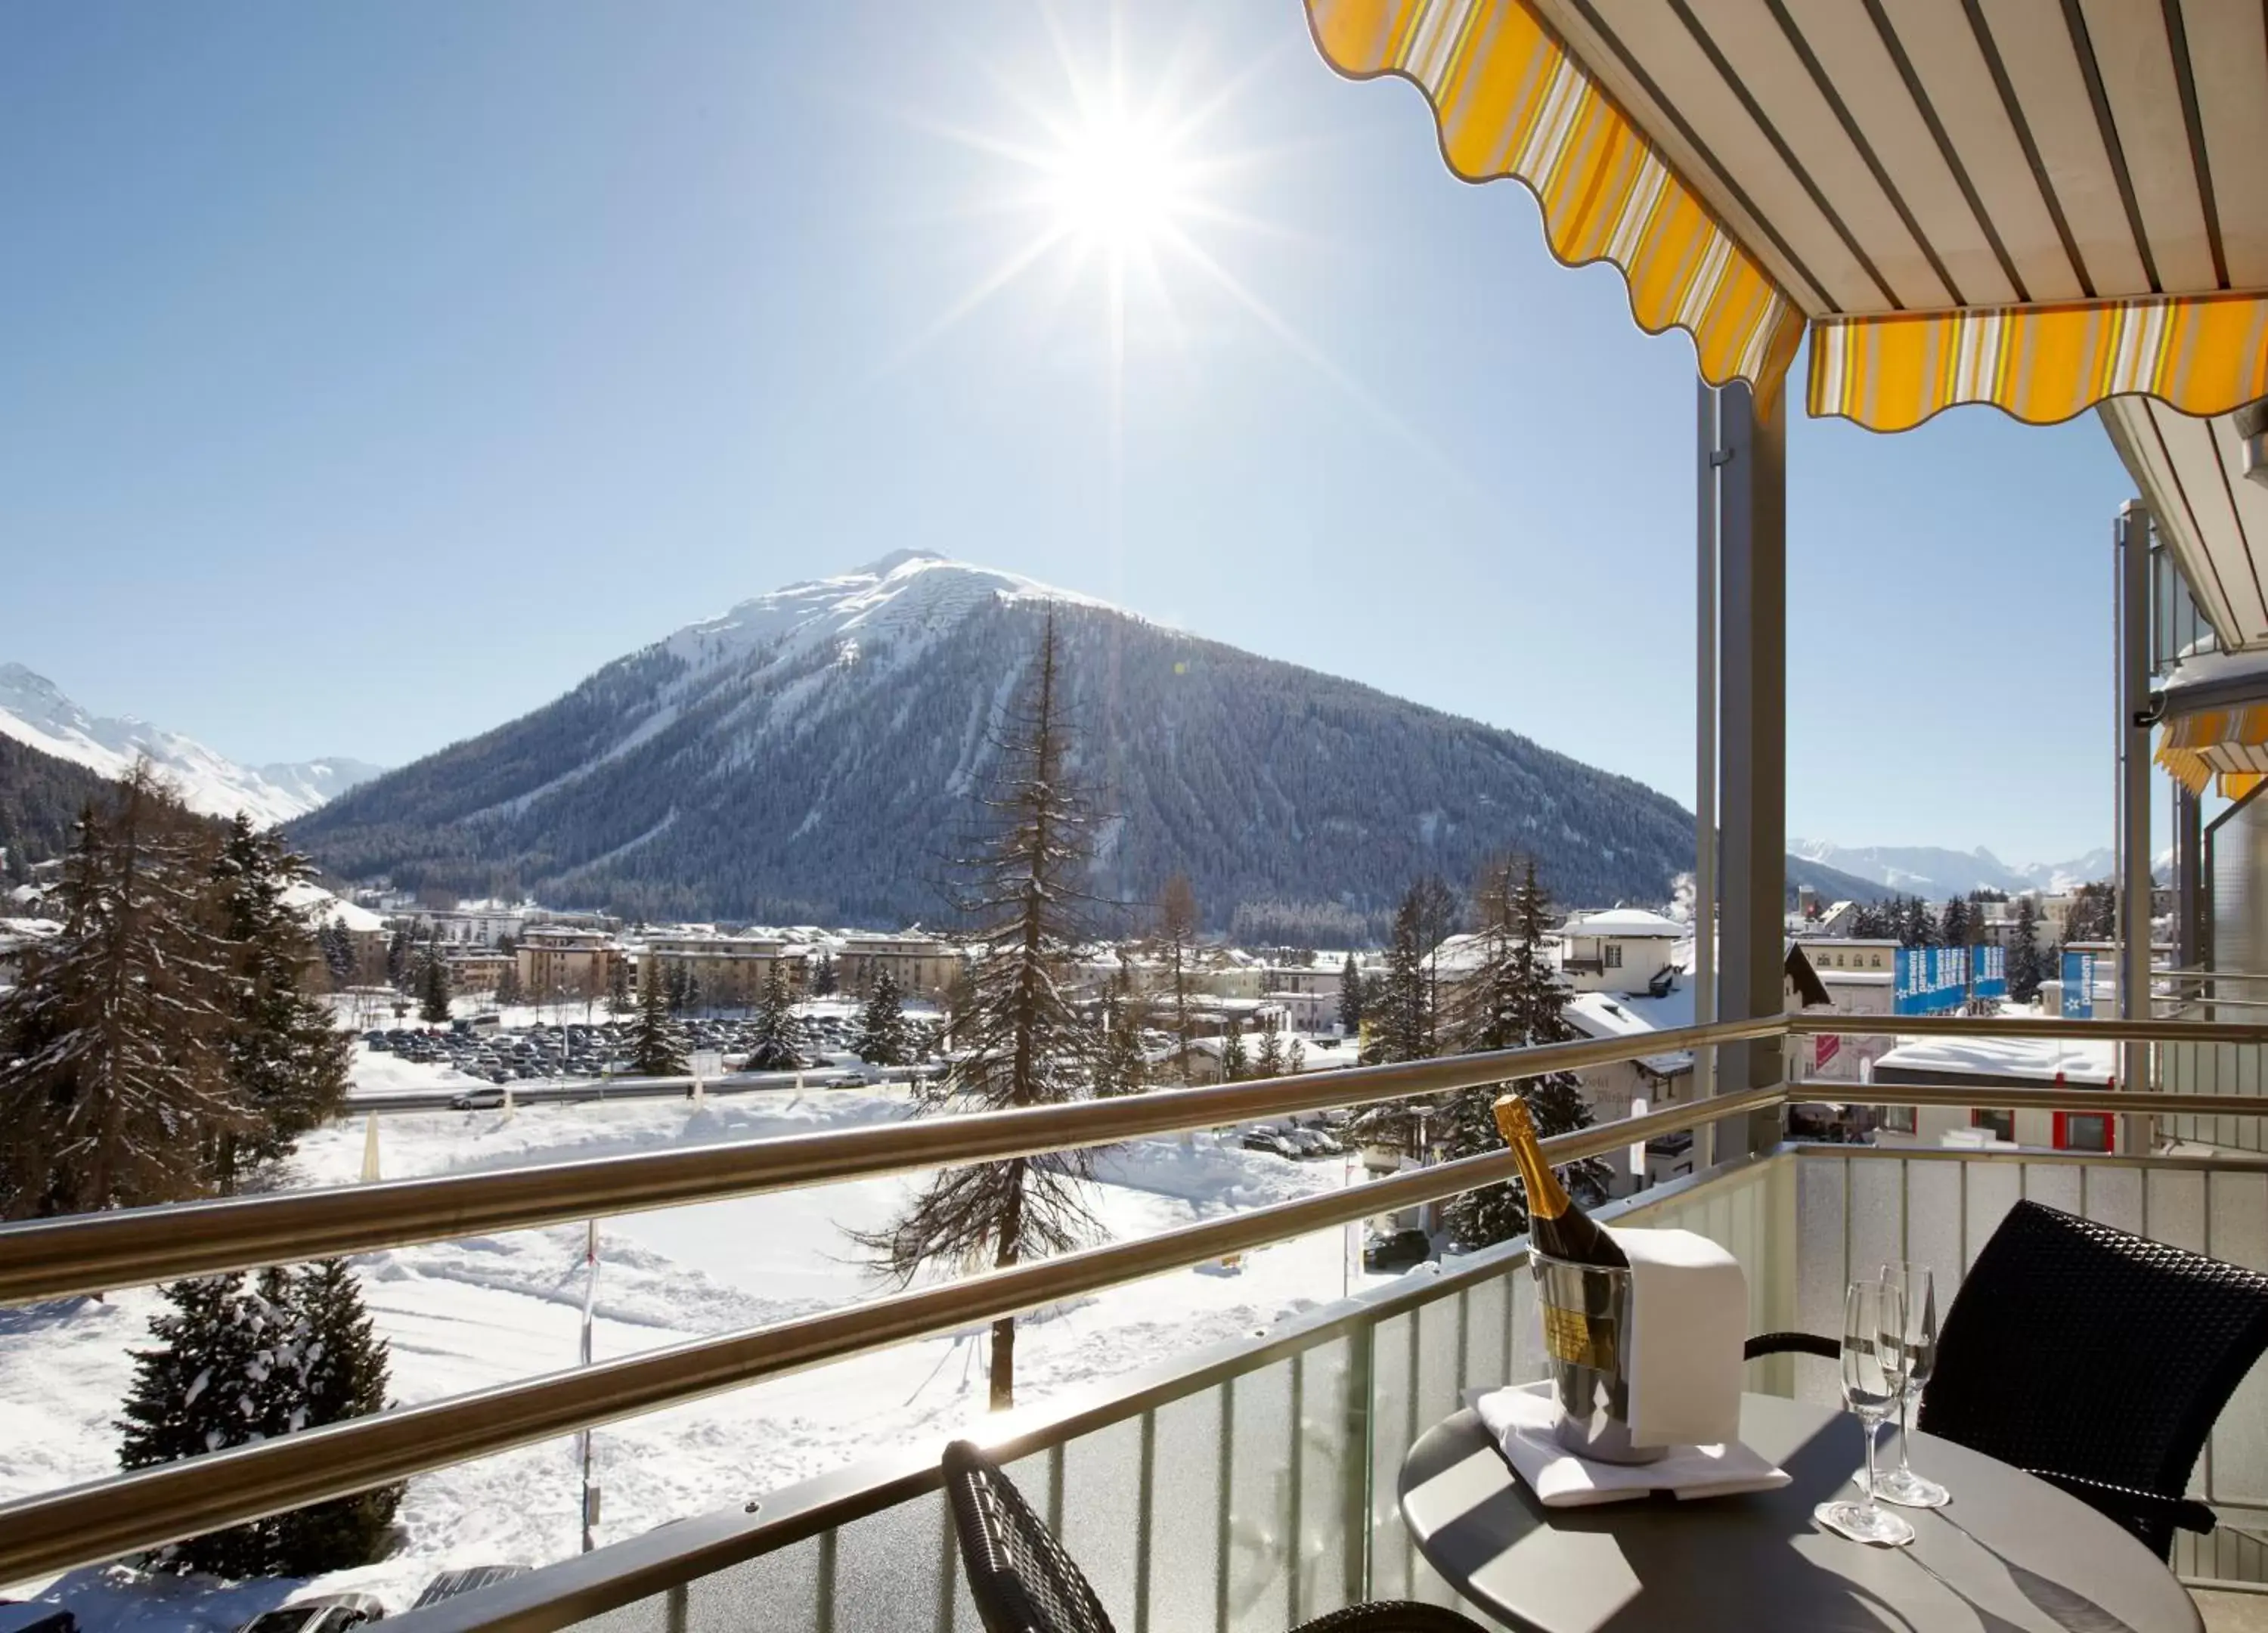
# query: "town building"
{"points": [[729, 972], [558, 961], [1625, 950], [922, 966]]}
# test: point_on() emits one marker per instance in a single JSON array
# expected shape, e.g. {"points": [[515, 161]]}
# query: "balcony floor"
{"points": [[2233, 1613]]}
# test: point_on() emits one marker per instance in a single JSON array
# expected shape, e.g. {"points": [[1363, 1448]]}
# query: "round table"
{"points": [[2010, 1553]]}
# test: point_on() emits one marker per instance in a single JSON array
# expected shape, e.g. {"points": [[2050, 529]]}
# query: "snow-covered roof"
{"points": [[2033, 1059], [1607, 1015], [322, 908], [1624, 922]]}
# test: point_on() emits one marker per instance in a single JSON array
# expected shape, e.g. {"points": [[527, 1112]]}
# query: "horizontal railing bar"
{"points": [[2208, 974], [2072, 1097], [136, 1247], [86, 1524], [1813, 1021]]}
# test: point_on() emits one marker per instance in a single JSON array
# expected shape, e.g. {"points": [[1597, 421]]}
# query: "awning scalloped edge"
{"points": [[2200, 353], [1509, 100], [2231, 744]]}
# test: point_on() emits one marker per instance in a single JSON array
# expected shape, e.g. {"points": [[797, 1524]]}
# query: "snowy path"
{"points": [[466, 1314]]}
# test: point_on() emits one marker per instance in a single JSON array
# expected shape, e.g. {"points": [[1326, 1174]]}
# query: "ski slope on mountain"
{"points": [[36, 713]]}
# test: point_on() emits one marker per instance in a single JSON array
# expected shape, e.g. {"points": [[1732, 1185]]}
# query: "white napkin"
{"points": [[1521, 1419], [1688, 1321]]}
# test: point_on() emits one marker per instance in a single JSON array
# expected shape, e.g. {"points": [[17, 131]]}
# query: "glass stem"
{"points": [[1874, 1433], [1906, 1432]]}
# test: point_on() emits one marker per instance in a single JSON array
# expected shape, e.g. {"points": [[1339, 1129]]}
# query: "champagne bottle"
{"points": [[1556, 1226]]}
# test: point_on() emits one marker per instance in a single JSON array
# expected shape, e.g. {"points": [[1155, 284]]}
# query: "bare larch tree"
{"points": [[1022, 886]]}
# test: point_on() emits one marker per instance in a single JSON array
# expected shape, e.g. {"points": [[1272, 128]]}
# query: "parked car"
{"points": [[449, 1583], [1271, 1140], [327, 1613], [1397, 1252], [486, 1096], [1313, 1141]]}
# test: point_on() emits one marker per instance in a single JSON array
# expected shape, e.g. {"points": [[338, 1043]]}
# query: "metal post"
{"points": [[2189, 880], [2133, 535], [1753, 655], [1708, 459]]}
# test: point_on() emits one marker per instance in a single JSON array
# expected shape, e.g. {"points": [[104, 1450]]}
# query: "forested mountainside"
{"points": [[41, 797], [811, 757]]}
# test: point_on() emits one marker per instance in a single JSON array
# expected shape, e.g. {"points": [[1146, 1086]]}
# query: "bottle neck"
{"points": [[1547, 1198]]}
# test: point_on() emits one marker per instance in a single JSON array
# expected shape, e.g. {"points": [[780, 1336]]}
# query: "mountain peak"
{"points": [[886, 565]]}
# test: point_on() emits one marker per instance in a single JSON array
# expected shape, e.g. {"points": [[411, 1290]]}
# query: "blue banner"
{"points": [[1932, 981], [2078, 986]]}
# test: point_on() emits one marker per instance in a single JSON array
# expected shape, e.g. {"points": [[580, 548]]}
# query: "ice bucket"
{"points": [[1586, 1326]]}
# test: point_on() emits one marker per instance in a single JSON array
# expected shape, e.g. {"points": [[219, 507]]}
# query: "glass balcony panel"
{"points": [[1184, 1511], [894, 1569], [1257, 1548], [2237, 1454], [2054, 1185], [1101, 1510], [1989, 1190]]}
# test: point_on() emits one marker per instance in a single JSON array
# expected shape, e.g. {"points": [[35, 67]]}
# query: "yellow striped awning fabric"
{"points": [[2228, 743], [2204, 354], [1509, 100]]}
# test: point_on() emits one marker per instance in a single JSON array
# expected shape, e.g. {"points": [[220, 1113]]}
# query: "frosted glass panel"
{"points": [[1185, 1493], [2114, 1195], [1878, 1216], [1392, 1425], [890, 1567], [2052, 1185], [2237, 1214], [1101, 1474], [1260, 1499], [1334, 1430], [1993, 1187]]}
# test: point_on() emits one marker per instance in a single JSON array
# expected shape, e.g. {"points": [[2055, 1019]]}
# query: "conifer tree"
{"points": [[1402, 1024], [1026, 1043], [776, 1034], [508, 989], [1513, 1001], [1235, 1063], [401, 962], [823, 978], [2024, 971], [1350, 998], [433, 990], [1268, 1061], [619, 1002], [655, 1052], [1124, 1068], [287, 1063], [674, 982], [881, 1039], [1179, 958], [1955, 924], [114, 1080], [342, 1375], [337, 943]]}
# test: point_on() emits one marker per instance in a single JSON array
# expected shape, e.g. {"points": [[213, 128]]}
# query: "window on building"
{"points": [[2003, 1123], [1613, 955], [2082, 1131], [1874, 960], [1901, 1118]]}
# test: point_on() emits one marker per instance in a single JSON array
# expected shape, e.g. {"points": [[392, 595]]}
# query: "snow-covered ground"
{"points": [[465, 1314]]}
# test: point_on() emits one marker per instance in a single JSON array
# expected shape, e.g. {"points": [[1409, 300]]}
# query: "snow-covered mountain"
{"points": [[1935, 872], [35, 713], [809, 755]]}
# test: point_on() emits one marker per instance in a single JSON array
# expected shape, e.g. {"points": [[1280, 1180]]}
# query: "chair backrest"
{"points": [[2076, 1347], [1019, 1575]]}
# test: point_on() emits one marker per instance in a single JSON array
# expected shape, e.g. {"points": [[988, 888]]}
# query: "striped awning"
{"points": [[2227, 743], [1510, 102], [2202, 355], [2043, 209]]}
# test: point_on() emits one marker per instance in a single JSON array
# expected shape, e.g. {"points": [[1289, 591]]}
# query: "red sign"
{"points": [[1829, 1046]]}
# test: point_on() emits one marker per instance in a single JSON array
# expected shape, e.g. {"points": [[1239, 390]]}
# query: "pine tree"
{"points": [[508, 989], [345, 1376], [673, 985], [337, 943], [1179, 956], [1402, 1024], [1236, 1063], [1350, 998], [1436, 907], [2024, 972], [824, 981], [881, 1039], [114, 1081], [1513, 1001], [1025, 1042], [655, 1051], [776, 1034], [400, 960], [287, 1063], [433, 988], [1269, 1062], [1123, 1069], [619, 1002], [1954, 928]]}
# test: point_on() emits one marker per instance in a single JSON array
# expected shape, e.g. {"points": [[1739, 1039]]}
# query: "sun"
{"points": [[1117, 183]]}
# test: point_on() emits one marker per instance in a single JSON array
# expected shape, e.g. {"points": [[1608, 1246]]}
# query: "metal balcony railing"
{"points": [[101, 1520]]}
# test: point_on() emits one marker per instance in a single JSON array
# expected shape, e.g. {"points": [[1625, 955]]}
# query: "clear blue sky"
{"points": [[373, 372]]}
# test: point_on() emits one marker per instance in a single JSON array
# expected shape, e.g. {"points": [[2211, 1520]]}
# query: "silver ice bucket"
{"points": [[1586, 1324]]}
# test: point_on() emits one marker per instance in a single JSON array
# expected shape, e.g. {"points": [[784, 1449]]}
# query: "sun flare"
{"points": [[1117, 182]]}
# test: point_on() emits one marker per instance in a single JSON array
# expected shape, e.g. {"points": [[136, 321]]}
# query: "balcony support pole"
{"points": [[2189, 880], [1752, 657], [1709, 460], [2134, 801]]}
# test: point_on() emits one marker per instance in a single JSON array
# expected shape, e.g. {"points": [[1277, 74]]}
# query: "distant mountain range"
{"points": [[36, 714], [809, 756], [1935, 874]]}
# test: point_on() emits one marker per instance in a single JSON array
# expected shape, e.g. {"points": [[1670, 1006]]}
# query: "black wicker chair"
{"points": [[2093, 1358], [1023, 1582]]}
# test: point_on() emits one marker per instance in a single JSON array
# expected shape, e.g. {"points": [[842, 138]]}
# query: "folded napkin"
{"points": [[1688, 1321], [1520, 1420]]}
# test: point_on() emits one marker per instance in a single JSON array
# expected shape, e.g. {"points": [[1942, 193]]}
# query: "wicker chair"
{"points": [[1023, 1582], [2094, 1359]]}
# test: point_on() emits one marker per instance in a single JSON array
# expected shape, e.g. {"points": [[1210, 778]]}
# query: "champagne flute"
{"points": [[1901, 1485], [1874, 1379]]}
